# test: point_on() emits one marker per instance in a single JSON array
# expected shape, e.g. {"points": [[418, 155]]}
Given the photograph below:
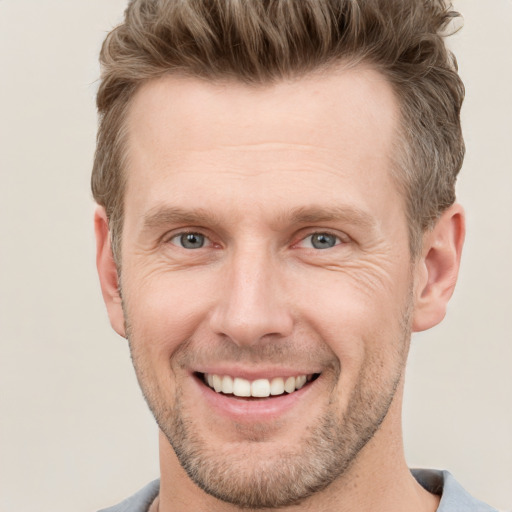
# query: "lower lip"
{"points": [[246, 411]]}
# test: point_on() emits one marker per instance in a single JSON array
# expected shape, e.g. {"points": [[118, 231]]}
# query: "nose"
{"points": [[252, 306]]}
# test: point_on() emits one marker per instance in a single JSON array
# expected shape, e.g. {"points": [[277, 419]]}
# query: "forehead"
{"points": [[313, 135], [335, 103]]}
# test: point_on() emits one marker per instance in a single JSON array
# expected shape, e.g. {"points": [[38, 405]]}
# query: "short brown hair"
{"points": [[262, 41]]}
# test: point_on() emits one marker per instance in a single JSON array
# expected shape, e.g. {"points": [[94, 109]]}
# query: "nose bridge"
{"points": [[252, 305]]}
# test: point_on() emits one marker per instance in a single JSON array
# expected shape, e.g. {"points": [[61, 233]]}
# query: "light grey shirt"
{"points": [[453, 497]]}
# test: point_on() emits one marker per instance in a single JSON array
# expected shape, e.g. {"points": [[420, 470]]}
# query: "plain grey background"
{"points": [[75, 433]]}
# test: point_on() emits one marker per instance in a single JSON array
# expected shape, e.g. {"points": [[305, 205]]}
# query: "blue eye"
{"points": [[321, 240], [189, 240]]}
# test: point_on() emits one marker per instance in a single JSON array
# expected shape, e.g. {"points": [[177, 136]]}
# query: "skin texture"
{"points": [[257, 171]]}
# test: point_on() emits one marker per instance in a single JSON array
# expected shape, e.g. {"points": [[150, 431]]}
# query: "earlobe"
{"points": [[437, 268], [107, 271]]}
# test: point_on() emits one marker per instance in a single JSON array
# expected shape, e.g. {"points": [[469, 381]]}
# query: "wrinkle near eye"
{"points": [[369, 274]]}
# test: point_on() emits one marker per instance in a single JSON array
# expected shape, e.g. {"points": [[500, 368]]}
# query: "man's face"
{"points": [[264, 238]]}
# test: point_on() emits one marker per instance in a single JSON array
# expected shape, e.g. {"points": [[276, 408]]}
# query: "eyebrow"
{"points": [[314, 214], [162, 216], [167, 215]]}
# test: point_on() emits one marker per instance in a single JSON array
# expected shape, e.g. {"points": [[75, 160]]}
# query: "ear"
{"points": [[107, 272], [437, 268]]}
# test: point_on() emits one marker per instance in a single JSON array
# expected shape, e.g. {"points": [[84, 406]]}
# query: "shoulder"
{"points": [[139, 502], [454, 497]]}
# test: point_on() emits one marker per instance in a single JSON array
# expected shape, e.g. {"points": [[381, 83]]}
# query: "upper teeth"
{"points": [[257, 388]]}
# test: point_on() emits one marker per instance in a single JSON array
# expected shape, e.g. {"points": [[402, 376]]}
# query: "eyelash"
{"points": [[208, 242], [337, 239]]}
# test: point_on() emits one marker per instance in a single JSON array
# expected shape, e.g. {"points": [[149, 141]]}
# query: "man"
{"points": [[277, 214]]}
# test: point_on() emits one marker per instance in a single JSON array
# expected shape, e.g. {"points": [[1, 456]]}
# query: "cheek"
{"points": [[163, 311], [349, 298], [357, 323]]}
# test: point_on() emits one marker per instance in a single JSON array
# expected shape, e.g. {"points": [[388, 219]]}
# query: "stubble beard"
{"points": [[249, 480]]}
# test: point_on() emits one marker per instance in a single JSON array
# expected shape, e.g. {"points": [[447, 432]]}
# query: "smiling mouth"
{"points": [[259, 388]]}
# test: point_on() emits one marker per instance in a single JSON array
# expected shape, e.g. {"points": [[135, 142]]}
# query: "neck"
{"points": [[378, 480]]}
